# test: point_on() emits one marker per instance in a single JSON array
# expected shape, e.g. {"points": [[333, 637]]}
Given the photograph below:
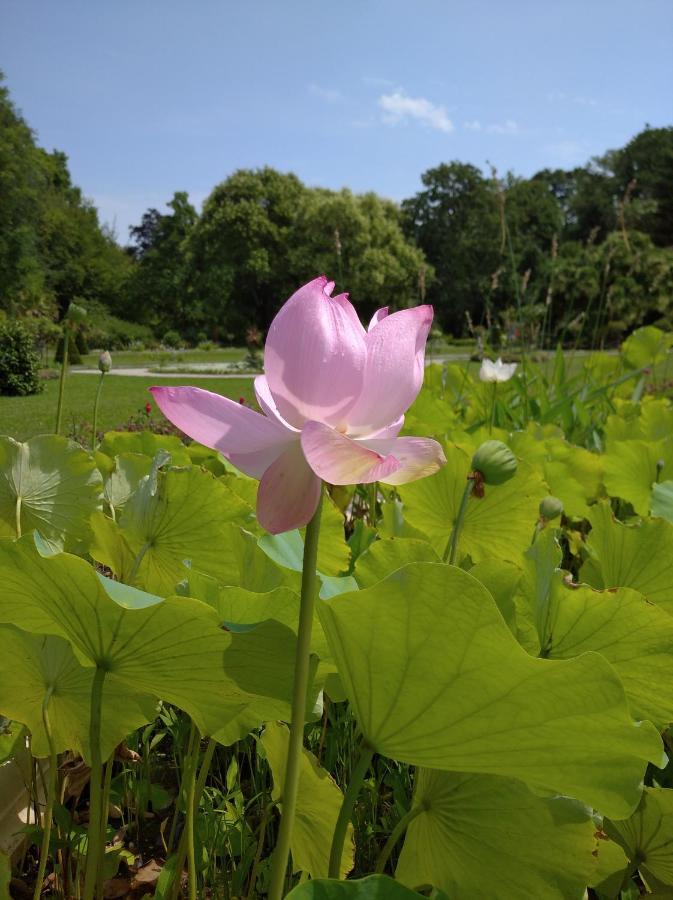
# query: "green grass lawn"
{"points": [[122, 398], [131, 358]]}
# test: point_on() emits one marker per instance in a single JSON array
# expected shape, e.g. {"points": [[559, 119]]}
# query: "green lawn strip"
{"points": [[122, 398]]}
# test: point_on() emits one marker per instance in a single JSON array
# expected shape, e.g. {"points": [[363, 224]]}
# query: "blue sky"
{"points": [[153, 96]]}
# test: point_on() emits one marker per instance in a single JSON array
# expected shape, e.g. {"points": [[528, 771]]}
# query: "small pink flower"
{"points": [[333, 397], [148, 408], [241, 400]]}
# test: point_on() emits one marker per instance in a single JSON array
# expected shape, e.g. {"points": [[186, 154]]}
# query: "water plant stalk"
{"points": [[50, 798], [61, 382], [395, 835], [94, 849], [94, 427], [493, 405], [298, 716], [190, 794], [347, 807], [105, 805], [451, 548]]}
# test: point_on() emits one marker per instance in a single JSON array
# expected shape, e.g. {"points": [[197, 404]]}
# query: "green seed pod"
{"points": [[105, 361], [495, 462], [550, 508], [76, 313]]}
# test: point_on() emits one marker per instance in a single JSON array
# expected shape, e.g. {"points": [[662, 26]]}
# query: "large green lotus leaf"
{"points": [[387, 555], [121, 477], [32, 665], [631, 470], [374, 887], [436, 679], [12, 738], [51, 485], [647, 836], [318, 803], [146, 442], [487, 836], [333, 552], [646, 347], [498, 525], [172, 649], [185, 518], [634, 635], [636, 556]]}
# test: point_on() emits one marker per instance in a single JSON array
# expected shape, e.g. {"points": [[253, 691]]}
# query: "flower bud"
{"points": [[76, 313], [550, 508], [495, 462], [105, 361]]}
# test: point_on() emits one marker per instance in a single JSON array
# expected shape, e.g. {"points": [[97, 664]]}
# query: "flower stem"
{"points": [[61, 383], [94, 428], [346, 811], [190, 794], [105, 806], [493, 405], [301, 673], [373, 495], [93, 852], [51, 796], [395, 835], [452, 545]]}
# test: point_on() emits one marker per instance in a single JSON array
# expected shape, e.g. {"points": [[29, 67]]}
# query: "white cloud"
{"points": [[474, 125], [398, 107], [329, 95], [507, 127]]}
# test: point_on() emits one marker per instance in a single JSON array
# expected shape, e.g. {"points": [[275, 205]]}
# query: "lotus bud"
{"points": [[105, 361], [76, 313], [550, 508], [495, 462]]}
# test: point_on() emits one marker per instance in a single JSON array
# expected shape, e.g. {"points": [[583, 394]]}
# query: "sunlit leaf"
{"points": [[647, 836], [374, 887], [49, 484], [436, 679], [146, 442], [487, 836]]}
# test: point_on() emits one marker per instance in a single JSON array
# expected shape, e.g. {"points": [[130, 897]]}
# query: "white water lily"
{"points": [[496, 371]]}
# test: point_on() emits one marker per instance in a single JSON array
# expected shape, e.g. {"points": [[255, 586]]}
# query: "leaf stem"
{"points": [[51, 796], [94, 428], [105, 805], [451, 549], [95, 788], [190, 794], [347, 806], [493, 403], [301, 674], [395, 835], [61, 383]]}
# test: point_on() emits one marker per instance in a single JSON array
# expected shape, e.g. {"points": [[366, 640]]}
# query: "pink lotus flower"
{"points": [[334, 398]]}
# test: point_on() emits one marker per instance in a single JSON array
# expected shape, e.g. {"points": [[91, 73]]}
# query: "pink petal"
{"points": [[376, 318], [288, 492], [339, 460], [266, 401], [390, 431], [418, 457], [315, 356], [395, 369], [251, 441]]}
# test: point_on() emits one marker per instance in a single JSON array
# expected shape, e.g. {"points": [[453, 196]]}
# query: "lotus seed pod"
{"points": [[76, 313], [495, 462], [105, 361], [550, 508]]}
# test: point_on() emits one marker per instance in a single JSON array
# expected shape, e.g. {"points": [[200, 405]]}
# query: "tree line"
{"points": [[581, 255]]}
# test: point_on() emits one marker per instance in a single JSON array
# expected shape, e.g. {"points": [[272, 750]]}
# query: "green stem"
{"points": [[190, 795], [373, 493], [346, 811], [94, 429], [105, 806], [136, 562], [51, 796], [495, 392], [452, 545], [18, 516], [395, 835], [539, 525], [258, 853], [61, 383], [93, 852], [301, 673]]}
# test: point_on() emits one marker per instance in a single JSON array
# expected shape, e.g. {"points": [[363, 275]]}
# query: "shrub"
{"points": [[104, 330], [19, 363], [74, 355], [171, 339]]}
